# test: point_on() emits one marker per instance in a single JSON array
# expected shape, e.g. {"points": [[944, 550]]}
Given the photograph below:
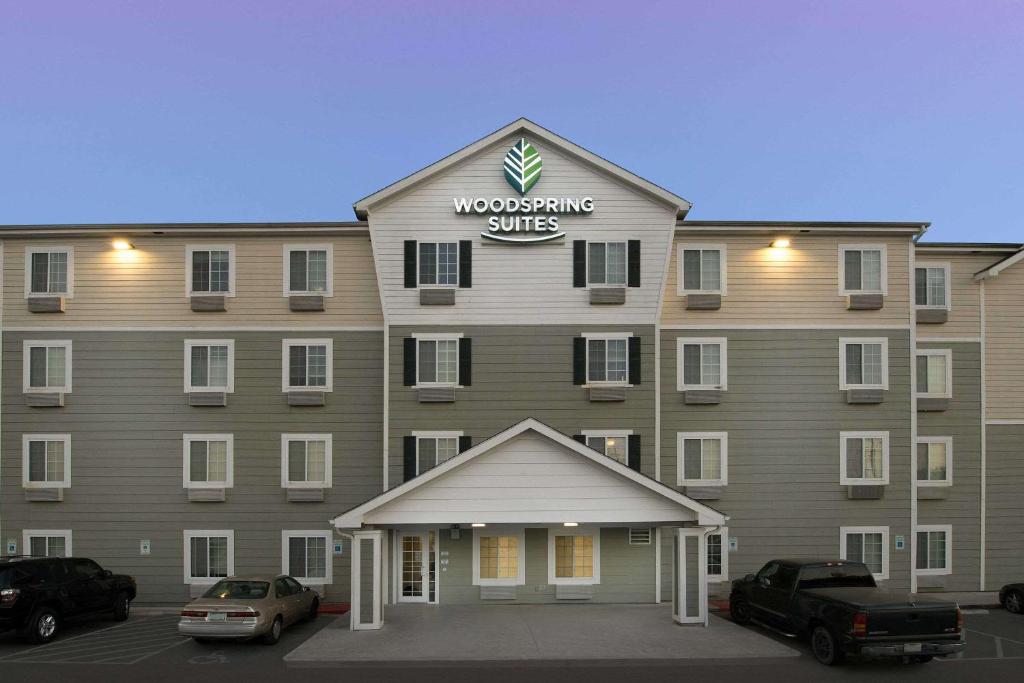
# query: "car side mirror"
{"points": [[106, 573], [305, 589], [748, 577]]}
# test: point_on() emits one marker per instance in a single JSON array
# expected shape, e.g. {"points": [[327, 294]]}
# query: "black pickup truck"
{"points": [[840, 608]]}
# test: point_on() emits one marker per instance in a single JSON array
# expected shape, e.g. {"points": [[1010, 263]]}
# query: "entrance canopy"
{"points": [[530, 474]]}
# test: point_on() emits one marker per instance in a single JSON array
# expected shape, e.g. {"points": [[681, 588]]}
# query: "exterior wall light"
{"points": [[478, 525], [781, 243], [122, 245], [570, 523]]}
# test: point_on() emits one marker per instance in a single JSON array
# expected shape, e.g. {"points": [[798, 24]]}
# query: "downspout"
{"points": [[913, 425]]}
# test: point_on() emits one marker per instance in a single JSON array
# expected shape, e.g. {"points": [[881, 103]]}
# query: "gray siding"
{"points": [[783, 412], [126, 417], [1004, 533]]}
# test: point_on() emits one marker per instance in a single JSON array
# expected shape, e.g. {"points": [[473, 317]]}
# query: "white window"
{"points": [[433, 448], [701, 363], [46, 461], [931, 285], [49, 271], [209, 365], [606, 263], [608, 359], [307, 365], [640, 535], [308, 269], [718, 555], [935, 461], [864, 458], [439, 264], [867, 544], [46, 542], [499, 556], [211, 270], [864, 364], [46, 366], [306, 461], [934, 373], [862, 269], [613, 443], [574, 556], [306, 556], [209, 555], [208, 461], [701, 269], [934, 549], [703, 458], [437, 359]]}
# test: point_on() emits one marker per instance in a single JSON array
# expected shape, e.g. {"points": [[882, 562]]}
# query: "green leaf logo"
{"points": [[522, 166]]}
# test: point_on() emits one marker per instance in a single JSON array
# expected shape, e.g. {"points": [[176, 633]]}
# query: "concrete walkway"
{"points": [[425, 633]]}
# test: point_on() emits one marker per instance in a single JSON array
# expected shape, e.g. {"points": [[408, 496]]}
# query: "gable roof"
{"points": [[527, 127], [1000, 266], [353, 518]]}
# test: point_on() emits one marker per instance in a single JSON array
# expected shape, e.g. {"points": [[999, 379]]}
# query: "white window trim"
{"points": [[286, 256], [610, 433], [945, 265], [189, 344], [285, 377], [594, 533], [437, 336], [27, 534], [26, 365], [884, 265], [723, 343], [186, 442], [458, 266], [605, 285], [328, 537], [846, 341], [948, 355], [70, 251], [948, 441], [848, 481], [948, 569], [64, 483], [188, 535], [680, 290], [190, 249], [500, 530], [432, 435], [883, 530], [328, 460], [724, 576], [586, 358], [723, 437]]}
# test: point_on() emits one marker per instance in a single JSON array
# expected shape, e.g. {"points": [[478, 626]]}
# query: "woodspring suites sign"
{"points": [[523, 220]]}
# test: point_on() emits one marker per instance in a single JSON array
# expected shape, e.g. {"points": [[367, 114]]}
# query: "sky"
{"points": [[271, 111]]}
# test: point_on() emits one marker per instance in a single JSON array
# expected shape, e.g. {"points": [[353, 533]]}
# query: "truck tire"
{"points": [[739, 610], [825, 646], [43, 625]]}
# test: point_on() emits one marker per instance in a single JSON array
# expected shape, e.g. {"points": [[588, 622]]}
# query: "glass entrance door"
{"points": [[415, 567]]}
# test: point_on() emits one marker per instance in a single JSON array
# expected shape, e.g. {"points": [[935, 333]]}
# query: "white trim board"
{"points": [[779, 326], [195, 328]]}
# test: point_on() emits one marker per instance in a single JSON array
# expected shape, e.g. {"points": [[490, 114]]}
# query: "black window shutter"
{"points": [[579, 437], [410, 263], [465, 362], [465, 263], [633, 452], [408, 457], [579, 263], [634, 360], [465, 443], [579, 360], [409, 352], [633, 260]]}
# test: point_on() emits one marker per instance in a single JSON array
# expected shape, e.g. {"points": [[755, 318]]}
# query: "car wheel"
{"points": [[739, 609], [314, 609], [1014, 602], [43, 625], [825, 647], [274, 634], [122, 606]]}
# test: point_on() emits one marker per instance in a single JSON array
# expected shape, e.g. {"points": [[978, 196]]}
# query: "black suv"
{"points": [[38, 593]]}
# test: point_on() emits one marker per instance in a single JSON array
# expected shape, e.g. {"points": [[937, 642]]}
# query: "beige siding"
{"points": [[965, 293], [147, 286], [1004, 349], [799, 285]]}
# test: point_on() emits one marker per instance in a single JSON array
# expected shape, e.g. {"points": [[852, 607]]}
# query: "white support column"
{"points": [[690, 576], [367, 580]]}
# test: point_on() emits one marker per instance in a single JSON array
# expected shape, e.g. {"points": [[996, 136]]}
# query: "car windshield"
{"points": [[836, 576], [238, 590]]}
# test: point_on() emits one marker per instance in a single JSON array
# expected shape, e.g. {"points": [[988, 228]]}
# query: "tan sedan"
{"points": [[248, 607]]}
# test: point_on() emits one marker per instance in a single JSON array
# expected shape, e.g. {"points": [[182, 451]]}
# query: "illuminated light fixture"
{"points": [[781, 243], [611, 442], [479, 525], [123, 245], [570, 523]]}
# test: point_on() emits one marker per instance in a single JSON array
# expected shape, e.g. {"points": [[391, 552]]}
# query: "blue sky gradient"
{"points": [[250, 111]]}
